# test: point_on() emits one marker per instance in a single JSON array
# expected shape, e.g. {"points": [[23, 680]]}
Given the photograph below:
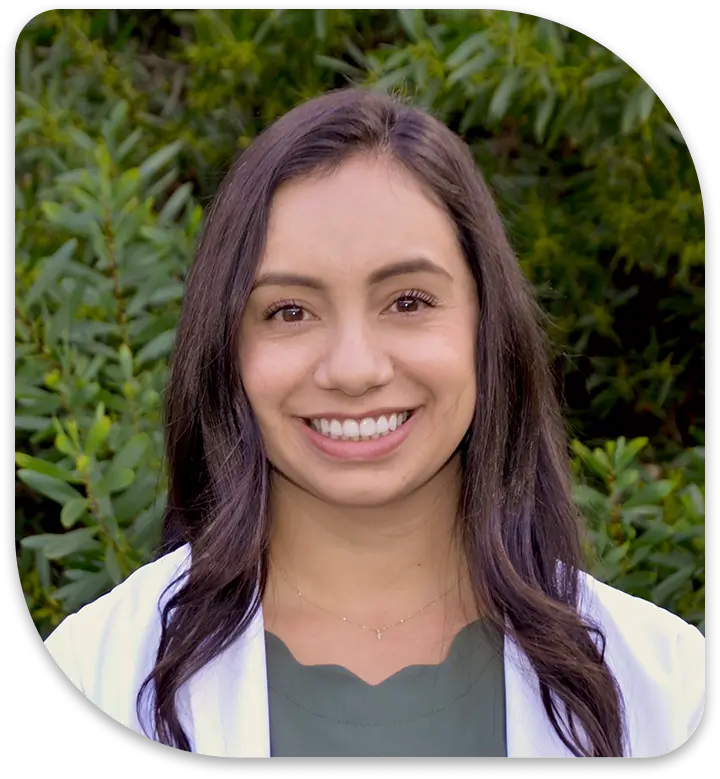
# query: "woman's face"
{"points": [[363, 309]]}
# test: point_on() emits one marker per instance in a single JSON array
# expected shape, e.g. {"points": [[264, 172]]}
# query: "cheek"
{"points": [[446, 353], [270, 372]]}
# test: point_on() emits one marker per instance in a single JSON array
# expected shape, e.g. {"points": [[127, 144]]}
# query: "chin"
{"points": [[364, 493]]}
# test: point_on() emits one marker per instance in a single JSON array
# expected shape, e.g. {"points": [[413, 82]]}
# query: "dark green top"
{"points": [[454, 709]]}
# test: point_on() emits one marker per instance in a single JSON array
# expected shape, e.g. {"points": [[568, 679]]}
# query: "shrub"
{"points": [[646, 523], [126, 121]]}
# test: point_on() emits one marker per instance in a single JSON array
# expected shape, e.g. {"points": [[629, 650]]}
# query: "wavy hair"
{"points": [[520, 530]]}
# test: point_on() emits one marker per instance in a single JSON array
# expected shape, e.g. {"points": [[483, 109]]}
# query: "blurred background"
{"points": [[126, 122]]}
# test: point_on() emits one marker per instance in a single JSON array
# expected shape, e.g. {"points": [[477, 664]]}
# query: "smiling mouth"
{"points": [[365, 429]]}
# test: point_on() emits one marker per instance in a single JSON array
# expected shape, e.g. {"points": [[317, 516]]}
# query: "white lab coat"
{"points": [[108, 648]]}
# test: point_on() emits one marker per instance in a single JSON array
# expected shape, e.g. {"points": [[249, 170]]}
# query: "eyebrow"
{"points": [[402, 268]]}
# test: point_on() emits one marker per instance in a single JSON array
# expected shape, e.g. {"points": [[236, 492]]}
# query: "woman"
{"points": [[371, 543]]}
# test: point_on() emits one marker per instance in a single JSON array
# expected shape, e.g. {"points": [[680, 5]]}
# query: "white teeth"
{"points": [[362, 430], [350, 429], [367, 427]]}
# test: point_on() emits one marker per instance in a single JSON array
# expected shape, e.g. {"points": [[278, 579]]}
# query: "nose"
{"points": [[355, 360]]}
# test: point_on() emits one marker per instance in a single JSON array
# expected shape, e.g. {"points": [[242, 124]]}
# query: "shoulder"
{"points": [[636, 621], [135, 599], [658, 660], [123, 623]]}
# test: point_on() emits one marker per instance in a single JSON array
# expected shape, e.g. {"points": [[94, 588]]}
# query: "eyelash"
{"points": [[413, 294]]}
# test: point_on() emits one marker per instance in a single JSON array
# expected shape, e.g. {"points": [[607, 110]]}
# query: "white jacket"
{"points": [[108, 648]]}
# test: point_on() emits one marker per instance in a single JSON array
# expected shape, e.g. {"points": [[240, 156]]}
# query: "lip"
{"points": [[358, 451]]}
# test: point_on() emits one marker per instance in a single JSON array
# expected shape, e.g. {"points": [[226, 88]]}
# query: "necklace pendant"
{"points": [[379, 635]]}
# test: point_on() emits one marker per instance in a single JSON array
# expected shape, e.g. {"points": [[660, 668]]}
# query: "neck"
{"points": [[362, 559]]}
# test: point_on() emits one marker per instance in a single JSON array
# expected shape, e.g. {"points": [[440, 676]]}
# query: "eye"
{"points": [[286, 311], [410, 302]]}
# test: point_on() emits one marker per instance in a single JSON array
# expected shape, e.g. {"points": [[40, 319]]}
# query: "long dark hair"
{"points": [[520, 529]]}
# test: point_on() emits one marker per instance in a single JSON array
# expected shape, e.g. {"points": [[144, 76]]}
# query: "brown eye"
{"points": [[292, 314], [414, 301], [407, 305]]}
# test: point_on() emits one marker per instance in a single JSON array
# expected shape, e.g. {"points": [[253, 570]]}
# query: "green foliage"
{"points": [[125, 123], [646, 522]]}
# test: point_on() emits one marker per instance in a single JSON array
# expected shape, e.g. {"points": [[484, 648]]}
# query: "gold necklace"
{"points": [[378, 631]]}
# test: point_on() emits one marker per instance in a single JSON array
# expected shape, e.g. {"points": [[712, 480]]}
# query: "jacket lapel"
{"points": [[229, 699], [528, 730]]}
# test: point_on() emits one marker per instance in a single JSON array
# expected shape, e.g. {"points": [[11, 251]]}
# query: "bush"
{"points": [[126, 121], [646, 523]]}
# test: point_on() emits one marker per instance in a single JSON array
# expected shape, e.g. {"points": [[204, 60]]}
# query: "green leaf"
{"points": [[605, 77], [650, 494], [117, 116], [636, 514], [664, 591], [167, 293], [115, 480], [125, 359], [72, 511], [48, 468], [175, 203], [55, 489], [57, 545], [112, 566], [629, 117], [503, 94], [146, 530], [80, 223], [43, 568], [592, 503], [136, 498], [86, 587], [159, 187], [629, 452], [337, 65], [626, 479], [396, 59], [413, 23], [471, 67], [638, 554], [467, 48], [646, 101], [591, 460], [615, 555], [153, 326], [82, 140], [125, 189], [672, 131], [393, 79], [677, 558], [654, 535], [637, 580], [24, 422], [693, 498], [543, 114], [158, 160], [320, 23], [132, 452], [97, 435], [160, 346], [51, 269]]}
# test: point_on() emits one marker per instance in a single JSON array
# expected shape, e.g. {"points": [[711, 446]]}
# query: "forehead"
{"points": [[367, 212]]}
